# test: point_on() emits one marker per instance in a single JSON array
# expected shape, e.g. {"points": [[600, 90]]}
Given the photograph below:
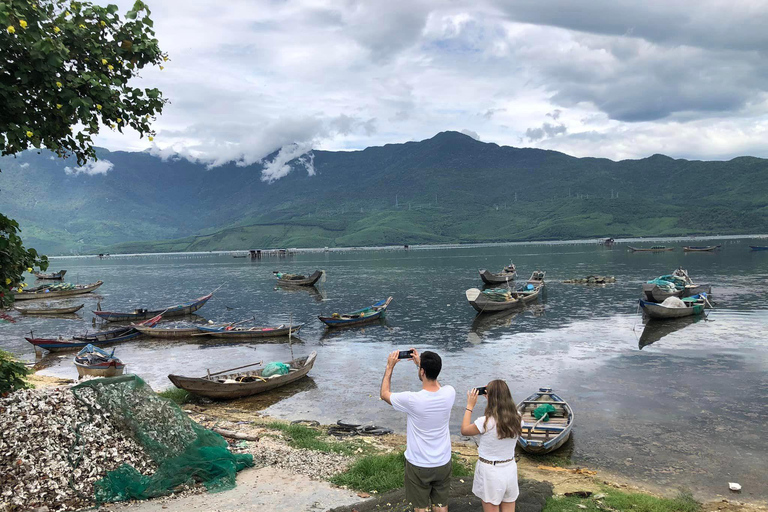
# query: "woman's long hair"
{"points": [[502, 408]]}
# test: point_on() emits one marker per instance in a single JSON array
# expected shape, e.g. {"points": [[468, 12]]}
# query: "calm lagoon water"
{"points": [[684, 405]]}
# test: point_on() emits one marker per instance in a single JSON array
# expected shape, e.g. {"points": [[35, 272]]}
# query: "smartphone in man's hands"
{"points": [[405, 354]]}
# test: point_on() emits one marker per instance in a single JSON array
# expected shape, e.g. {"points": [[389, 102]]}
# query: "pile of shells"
{"points": [[44, 464], [318, 465], [591, 280]]}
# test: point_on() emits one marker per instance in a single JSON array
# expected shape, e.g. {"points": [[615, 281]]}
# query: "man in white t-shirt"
{"points": [[428, 451]]}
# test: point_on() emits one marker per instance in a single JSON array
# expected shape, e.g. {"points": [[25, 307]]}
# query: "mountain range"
{"points": [[450, 188]]}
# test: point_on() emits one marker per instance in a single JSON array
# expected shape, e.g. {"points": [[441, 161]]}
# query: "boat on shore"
{"points": [[228, 384], [298, 279], [655, 248], [359, 317], [184, 308], [693, 248], [56, 290], [677, 284], [51, 275], [544, 433], [674, 307], [97, 339], [92, 361], [509, 273], [50, 311], [500, 299], [230, 332]]}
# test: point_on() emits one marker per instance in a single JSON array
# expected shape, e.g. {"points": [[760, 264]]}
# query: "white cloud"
{"points": [[24, 166], [472, 134], [91, 168], [252, 78]]}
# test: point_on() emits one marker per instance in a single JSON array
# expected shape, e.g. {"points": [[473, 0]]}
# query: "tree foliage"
{"points": [[12, 374], [14, 259], [66, 69]]}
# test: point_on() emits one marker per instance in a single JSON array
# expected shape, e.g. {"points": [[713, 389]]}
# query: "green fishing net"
{"points": [[542, 410], [184, 451]]}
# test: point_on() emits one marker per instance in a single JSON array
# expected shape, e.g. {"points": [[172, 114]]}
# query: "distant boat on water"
{"points": [[655, 248], [693, 248], [759, 247]]}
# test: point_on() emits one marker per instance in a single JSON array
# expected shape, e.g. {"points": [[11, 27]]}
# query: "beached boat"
{"points": [[76, 342], [678, 284], [674, 307], [359, 317], [51, 275], [56, 290], [185, 308], [228, 384], [500, 299], [758, 247], [541, 436], [230, 332], [297, 279], [655, 248], [693, 248], [509, 273], [49, 311], [94, 362]]}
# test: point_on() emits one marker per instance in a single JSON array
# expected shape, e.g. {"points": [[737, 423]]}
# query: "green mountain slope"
{"points": [[450, 188]]}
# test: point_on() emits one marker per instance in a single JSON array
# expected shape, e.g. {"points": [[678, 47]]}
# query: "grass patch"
{"points": [[549, 459], [382, 473], [300, 436], [618, 500], [179, 396]]}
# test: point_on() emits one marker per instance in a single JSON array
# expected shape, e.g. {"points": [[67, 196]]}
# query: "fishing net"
{"points": [[498, 295], [543, 411], [184, 451], [275, 369]]}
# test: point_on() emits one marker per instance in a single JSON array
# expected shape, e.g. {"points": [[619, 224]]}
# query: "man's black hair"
{"points": [[431, 364]]}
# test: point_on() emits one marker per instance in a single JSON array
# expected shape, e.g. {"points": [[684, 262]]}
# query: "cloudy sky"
{"points": [[611, 78]]}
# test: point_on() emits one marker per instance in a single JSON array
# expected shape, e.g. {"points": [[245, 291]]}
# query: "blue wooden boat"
{"points": [[693, 306], [550, 432], [185, 308], [95, 362], [96, 339], [759, 247], [231, 332], [359, 317]]}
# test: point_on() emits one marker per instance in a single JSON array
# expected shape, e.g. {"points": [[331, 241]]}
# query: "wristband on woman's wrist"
{"points": [[468, 409]]}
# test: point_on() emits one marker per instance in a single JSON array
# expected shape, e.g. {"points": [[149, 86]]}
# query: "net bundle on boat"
{"points": [[184, 451], [498, 294]]}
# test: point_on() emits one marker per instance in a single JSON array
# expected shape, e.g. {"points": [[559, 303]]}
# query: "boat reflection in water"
{"points": [[317, 295], [655, 330]]}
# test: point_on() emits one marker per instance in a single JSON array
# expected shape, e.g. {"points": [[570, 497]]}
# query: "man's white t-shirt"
{"points": [[429, 440], [490, 447]]}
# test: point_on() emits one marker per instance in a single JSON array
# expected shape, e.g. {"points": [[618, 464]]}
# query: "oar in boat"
{"points": [[232, 369]]}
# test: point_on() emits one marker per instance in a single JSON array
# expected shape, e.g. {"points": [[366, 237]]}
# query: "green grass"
{"points": [[617, 500], [179, 396], [300, 436], [382, 473]]}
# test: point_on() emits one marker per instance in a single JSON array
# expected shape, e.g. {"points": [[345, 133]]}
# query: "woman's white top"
{"points": [[490, 447]]}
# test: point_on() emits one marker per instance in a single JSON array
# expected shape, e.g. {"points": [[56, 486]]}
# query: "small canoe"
{"points": [[500, 299], [92, 361], [502, 277], [49, 311], [655, 248], [692, 248], [359, 317], [230, 332], [672, 308], [544, 436], [298, 280], [51, 291], [51, 275], [759, 247], [167, 332], [227, 385], [98, 339], [185, 308]]}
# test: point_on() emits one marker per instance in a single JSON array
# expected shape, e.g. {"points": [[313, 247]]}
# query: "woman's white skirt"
{"points": [[494, 484]]}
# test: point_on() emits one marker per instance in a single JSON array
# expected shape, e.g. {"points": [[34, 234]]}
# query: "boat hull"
{"points": [[547, 436], [310, 281], [179, 310], [111, 370], [52, 276], [52, 311], [658, 311], [347, 320], [483, 305], [500, 278], [277, 332], [211, 389], [640, 249], [57, 293], [758, 247], [701, 249], [157, 332], [97, 340]]}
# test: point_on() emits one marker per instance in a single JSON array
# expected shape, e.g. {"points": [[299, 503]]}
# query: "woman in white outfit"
{"points": [[496, 470]]}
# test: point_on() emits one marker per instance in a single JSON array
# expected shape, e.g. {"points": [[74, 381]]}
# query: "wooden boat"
{"points": [[500, 299], [653, 292], [94, 362], [359, 317], [693, 248], [544, 437], [51, 275], [759, 247], [508, 274], [50, 292], [98, 339], [692, 306], [49, 311], [227, 385], [167, 332], [185, 308], [655, 248], [249, 332], [299, 280]]}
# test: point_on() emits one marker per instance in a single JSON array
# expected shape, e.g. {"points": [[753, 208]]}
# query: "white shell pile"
{"points": [[37, 435]]}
